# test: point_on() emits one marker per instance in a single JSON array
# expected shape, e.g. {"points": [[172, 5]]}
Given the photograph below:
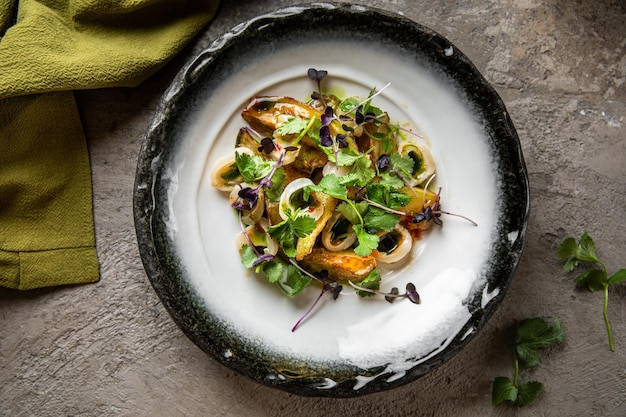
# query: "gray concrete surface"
{"points": [[110, 349]]}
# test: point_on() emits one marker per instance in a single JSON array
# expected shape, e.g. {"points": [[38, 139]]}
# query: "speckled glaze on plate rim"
{"points": [[164, 268]]}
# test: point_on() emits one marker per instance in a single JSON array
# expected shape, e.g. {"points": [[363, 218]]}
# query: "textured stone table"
{"points": [[110, 349]]}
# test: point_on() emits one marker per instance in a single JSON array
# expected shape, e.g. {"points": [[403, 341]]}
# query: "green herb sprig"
{"points": [[533, 335], [594, 278]]}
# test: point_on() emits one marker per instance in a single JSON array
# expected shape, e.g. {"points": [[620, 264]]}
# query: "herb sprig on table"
{"points": [[596, 277], [533, 335]]}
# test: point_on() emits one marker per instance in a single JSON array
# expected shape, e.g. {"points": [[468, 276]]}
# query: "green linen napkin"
{"points": [[47, 49]]}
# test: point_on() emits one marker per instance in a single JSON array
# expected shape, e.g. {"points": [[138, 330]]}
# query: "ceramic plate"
{"points": [[350, 346]]}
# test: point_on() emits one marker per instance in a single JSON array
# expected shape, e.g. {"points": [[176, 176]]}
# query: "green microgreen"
{"points": [[532, 336], [596, 277]]}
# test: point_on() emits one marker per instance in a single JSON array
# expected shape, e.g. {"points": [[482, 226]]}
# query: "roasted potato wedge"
{"points": [[341, 266], [305, 244]]}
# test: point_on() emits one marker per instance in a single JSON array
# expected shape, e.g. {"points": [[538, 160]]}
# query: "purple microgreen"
{"points": [[359, 117], [325, 137], [434, 213], [337, 291], [252, 194], [322, 277], [267, 146], [290, 148], [342, 141], [249, 194], [347, 128], [317, 76], [411, 292], [325, 288], [328, 116], [383, 162], [393, 294]]}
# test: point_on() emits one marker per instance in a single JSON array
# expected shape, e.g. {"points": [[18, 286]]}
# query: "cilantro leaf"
{"points": [[247, 256], [348, 104], [596, 277], [286, 232], [353, 212], [533, 335], [294, 282], [528, 392], [379, 219], [292, 126], [574, 253], [367, 242], [386, 196], [252, 168], [302, 226], [403, 164], [371, 282], [278, 185], [391, 181], [617, 277], [503, 389], [593, 279], [273, 270], [330, 185], [362, 171]]}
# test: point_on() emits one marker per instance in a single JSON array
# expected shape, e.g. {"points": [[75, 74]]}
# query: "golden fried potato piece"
{"points": [[341, 266], [305, 244]]}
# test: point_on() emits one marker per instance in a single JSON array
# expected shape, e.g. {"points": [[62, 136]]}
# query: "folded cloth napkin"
{"points": [[47, 49]]}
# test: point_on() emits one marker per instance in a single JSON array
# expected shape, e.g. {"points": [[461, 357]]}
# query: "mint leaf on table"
{"points": [[528, 392], [595, 277], [532, 336], [503, 390]]}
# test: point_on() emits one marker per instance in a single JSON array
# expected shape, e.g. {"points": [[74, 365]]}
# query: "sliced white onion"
{"points": [[248, 216], [429, 162], [258, 237], [222, 165], [284, 203], [327, 233], [289, 156], [401, 251], [332, 168]]}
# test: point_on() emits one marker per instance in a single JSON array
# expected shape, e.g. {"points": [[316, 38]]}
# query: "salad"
{"points": [[327, 191]]}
